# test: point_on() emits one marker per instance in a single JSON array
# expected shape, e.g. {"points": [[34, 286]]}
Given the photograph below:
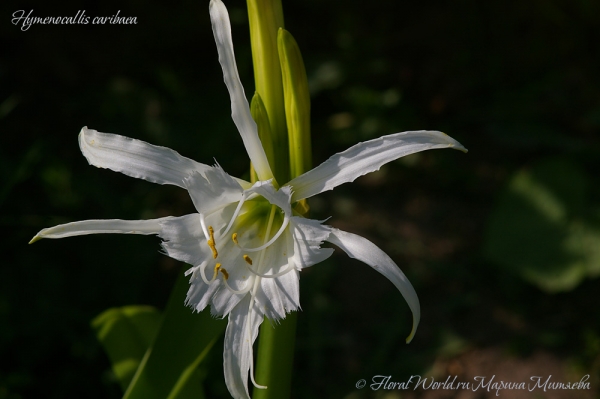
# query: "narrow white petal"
{"points": [[279, 198], [240, 335], [213, 190], [84, 227], [363, 158], [184, 240], [240, 111], [308, 235], [364, 250], [137, 158]]}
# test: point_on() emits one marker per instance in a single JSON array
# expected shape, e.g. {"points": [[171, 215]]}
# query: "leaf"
{"points": [[541, 228], [170, 366], [126, 333]]}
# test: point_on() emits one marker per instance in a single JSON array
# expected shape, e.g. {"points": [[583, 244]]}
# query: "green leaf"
{"points": [[126, 333], [541, 228], [170, 366]]}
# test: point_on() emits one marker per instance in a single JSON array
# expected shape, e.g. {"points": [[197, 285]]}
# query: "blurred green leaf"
{"points": [[170, 367], [126, 333], [541, 229]]}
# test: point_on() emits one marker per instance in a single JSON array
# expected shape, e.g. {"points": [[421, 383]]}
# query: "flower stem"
{"points": [[275, 351], [275, 358], [266, 17], [281, 85]]}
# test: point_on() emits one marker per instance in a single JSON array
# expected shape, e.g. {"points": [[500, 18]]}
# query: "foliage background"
{"points": [[502, 244]]}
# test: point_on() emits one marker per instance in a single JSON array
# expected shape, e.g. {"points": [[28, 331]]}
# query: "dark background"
{"points": [[502, 244]]}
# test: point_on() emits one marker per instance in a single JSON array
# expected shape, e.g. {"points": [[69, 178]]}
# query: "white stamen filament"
{"points": [[244, 289], [272, 240], [203, 224], [288, 269], [252, 367], [202, 268], [235, 214]]}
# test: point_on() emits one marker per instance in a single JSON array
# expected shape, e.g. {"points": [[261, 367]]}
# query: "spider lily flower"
{"points": [[246, 245]]}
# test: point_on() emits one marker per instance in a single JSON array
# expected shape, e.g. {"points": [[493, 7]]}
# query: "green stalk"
{"points": [[266, 17], [276, 344], [275, 358]]}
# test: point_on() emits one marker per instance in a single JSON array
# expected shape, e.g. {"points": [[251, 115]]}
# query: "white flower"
{"points": [[246, 244]]}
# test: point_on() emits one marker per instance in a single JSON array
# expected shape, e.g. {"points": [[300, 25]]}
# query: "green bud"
{"points": [[266, 17], [259, 114], [297, 103]]}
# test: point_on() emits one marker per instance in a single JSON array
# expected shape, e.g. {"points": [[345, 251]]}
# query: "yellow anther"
{"points": [[211, 242], [213, 248], [234, 238], [247, 259], [216, 270], [225, 273]]}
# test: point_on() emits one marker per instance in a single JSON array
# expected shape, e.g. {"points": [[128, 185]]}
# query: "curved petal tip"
{"points": [[413, 331], [456, 145]]}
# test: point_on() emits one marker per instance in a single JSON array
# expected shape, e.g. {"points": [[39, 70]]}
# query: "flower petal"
{"points": [[183, 239], [363, 158], [279, 198], [364, 250], [242, 330], [84, 227], [137, 158], [200, 294], [278, 295], [213, 190], [240, 111], [308, 235], [223, 301]]}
